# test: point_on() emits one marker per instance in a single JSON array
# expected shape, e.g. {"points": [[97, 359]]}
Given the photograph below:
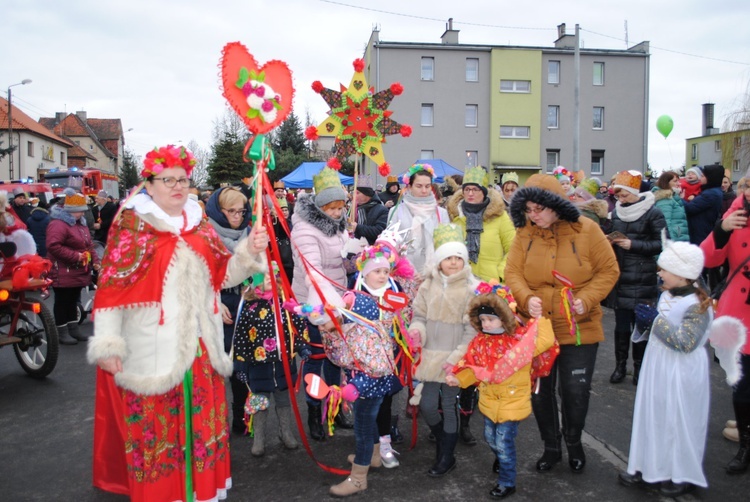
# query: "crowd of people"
{"points": [[442, 298]]}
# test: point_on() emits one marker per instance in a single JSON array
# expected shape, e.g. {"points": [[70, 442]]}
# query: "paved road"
{"points": [[45, 449]]}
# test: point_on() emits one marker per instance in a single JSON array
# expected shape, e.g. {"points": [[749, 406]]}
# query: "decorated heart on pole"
{"points": [[260, 95]]}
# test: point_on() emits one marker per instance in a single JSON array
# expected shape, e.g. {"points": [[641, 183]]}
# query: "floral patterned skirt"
{"points": [[140, 441]]}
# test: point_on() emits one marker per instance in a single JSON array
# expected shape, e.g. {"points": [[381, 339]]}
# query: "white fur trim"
{"points": [[243, 264], [727, 336]]}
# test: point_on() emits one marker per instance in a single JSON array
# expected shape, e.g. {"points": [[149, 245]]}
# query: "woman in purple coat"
{"points": [[70, 248]]}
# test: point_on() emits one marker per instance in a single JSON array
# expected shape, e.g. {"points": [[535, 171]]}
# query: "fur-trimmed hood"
{"points": [[306, 209], [58, 213], [597, 206], [661, 194], [545, 190], [501, 308], [495, 208]]}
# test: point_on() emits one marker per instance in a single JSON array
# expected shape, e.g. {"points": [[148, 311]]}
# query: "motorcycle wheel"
{"points": [[81, 314], [37, 352]]}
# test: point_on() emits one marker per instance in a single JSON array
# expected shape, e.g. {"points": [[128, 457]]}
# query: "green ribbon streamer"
{"points": [[187, 394]]}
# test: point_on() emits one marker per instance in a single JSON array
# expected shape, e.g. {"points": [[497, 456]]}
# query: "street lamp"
{"points": [[10, 125]]}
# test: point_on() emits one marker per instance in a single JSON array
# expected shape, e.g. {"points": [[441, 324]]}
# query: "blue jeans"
{"points": [[365, 428], [502, 440], [331, 372]]}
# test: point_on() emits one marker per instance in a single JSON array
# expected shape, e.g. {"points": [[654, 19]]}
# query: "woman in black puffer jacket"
{"points": [[635, 216]]}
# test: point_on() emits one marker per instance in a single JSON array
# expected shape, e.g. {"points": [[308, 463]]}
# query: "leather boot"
{"points": [[576, 457], [314, 422], [284, 415], [396, 436], [741, 461], [550, 457], [259, 433], [375, 461], [63, 335], [639, 349], [622, 345], [75, 332], [342, 421], [239, 396], [466, 400], [436, 431], [355, 483], [447, 460], [636, 371], [620, 372]]}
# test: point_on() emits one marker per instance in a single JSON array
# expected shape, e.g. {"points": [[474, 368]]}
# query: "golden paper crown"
{"points": [[326, 178], [476, 175], [75, 200], [629, 180], [392, 179], [509, 178], [447, 232]]}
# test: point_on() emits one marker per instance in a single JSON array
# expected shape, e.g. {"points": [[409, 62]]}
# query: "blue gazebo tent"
{"points": [[302, 176], [441, 167]]}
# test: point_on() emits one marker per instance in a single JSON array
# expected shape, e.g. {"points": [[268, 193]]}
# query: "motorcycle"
{"points": [[26, 322]]}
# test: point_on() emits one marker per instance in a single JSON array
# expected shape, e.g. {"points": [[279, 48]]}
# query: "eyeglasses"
{"points": [[170, 181], [236, 212], [472, 189], [535, 210]]}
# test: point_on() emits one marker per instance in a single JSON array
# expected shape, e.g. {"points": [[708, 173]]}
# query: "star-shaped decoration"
{"points": [[359, 119]]}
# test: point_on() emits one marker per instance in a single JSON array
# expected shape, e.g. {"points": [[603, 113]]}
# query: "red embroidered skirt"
{"points": [[139, 441]]}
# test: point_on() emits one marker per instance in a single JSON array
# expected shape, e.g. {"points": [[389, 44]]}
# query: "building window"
{"points": [[694, 151], [598, 117], [30, 148], [91, 147], [514, 132], [597, 162], [737, 142], [427, 115], [736, 166], [553, 160], [472, 158], [553, 72], [426, 154], [470, 119], [472, 70], [62, 158], [523, 86], [428, 68], [598, 73], [717, 145], [553, 117]]}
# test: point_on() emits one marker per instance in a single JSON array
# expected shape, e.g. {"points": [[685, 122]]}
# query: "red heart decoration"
{"points": [[278, 77]]}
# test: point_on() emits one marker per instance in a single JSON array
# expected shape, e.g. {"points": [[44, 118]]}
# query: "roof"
{"points": [[76, 151], [23, 122], [106, 128], [73, 126]]}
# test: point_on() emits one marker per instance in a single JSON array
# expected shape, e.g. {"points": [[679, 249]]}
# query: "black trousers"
{"points": [[66, 300], [624, 324], [571, 375]]}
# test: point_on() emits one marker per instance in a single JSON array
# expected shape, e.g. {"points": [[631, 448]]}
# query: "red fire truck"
{"points": [[86, 181], [42, 191]]}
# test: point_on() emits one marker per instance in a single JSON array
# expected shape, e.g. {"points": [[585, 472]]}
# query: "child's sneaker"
{"points": [[388, 454]]}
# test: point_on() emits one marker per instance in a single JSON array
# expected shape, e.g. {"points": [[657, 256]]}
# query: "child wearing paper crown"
{"points": [[376, 277], [670, 417], [504, 359], [258, 360], [440, 325]]}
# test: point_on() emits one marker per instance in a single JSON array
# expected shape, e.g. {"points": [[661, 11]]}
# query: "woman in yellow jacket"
{"points": [[551, 236], [480, 212]]}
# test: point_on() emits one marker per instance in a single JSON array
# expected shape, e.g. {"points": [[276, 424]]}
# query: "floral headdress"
{"points": [[561, 171], [415, 169], [500, 290], [165, 157], [375, 251]]}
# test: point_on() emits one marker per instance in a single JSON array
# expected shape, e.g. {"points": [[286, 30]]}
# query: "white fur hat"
{"points": [[681, 258]]}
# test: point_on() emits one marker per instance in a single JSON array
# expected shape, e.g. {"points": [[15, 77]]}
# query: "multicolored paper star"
{"points": [[359, 119]]}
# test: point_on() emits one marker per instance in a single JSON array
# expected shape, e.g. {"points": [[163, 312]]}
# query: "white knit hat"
{"points": [[681, 258]]}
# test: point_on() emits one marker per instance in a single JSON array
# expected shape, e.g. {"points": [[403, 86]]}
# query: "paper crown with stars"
{"points": [[476, 176], [328, 187]]}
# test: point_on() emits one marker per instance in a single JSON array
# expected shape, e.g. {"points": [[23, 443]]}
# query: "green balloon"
{"points": [[664, 125]]}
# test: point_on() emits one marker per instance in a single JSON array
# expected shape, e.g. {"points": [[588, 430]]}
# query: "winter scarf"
{"points": [[632, 212], [421, 209], [474, 226]]}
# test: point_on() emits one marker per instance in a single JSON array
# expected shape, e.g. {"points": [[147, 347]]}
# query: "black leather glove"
{"points": [[644, 316], [304, 352]]}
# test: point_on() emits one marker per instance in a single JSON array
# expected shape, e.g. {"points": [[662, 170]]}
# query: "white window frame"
{"points": [[515, 132], [426, 154], [736, 165], [427, 73], [601, 119], [555, 162], [517, 86], [600, 164], [598, 79], [738, 141], [553, 117], [472, 74], [694, 151], [472, 158], [553, 77], [30, 149], [717, 145], [470, 121], [427, 121]]}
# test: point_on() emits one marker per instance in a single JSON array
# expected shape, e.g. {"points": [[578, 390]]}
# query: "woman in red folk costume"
{"points": [[160, 430]]}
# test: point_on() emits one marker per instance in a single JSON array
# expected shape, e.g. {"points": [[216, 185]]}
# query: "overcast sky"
{"points": [[153, 63]]}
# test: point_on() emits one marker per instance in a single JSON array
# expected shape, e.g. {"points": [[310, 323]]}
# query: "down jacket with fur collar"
{"points": [[574, 246], [497, 234]]}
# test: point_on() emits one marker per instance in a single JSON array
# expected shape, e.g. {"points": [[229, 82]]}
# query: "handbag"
{"points": [[719, 289]]}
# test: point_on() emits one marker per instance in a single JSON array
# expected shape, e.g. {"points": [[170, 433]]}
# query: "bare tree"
{"points": [[200, 171], [736, 146]]}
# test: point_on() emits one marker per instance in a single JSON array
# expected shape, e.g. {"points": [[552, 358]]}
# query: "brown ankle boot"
{"points": [[376, 460], [355, 483]]}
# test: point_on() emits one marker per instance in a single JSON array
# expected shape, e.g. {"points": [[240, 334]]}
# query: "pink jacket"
{"points": [[735, 300]]}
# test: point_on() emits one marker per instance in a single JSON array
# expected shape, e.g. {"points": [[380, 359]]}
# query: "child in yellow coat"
{"points": [[503, 359]]}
